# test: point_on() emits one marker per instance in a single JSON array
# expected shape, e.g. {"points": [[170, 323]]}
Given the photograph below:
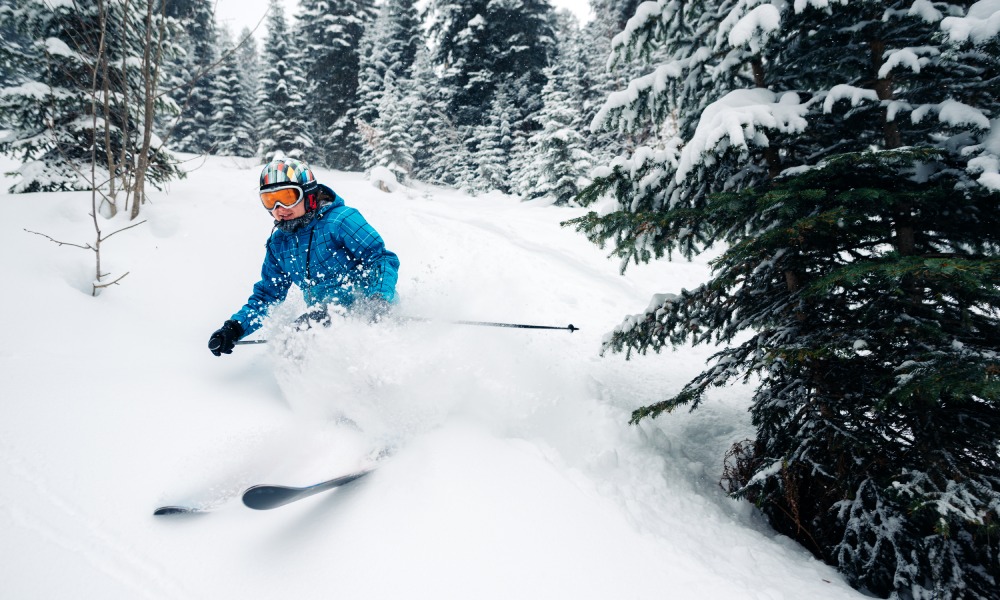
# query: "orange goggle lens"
{"points": [[286, 196]]}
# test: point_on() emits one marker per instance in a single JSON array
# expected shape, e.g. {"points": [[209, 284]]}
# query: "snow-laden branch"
{"points": [[750, 25], [979, 25], [738, 119]]}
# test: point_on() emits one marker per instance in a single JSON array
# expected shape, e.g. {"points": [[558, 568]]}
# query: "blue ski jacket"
{"points": [[336, 258]]}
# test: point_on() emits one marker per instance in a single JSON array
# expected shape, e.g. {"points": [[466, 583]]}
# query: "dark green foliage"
{"points": [[482, 44], [328, 37], [854, 190], [285, 124], [196, 81], [232, 124], [878, 411], [56, 120]]}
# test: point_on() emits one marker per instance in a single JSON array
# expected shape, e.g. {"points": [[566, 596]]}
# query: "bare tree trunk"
{"points": [[104, 62], [150, 81], [124, 163], [100, 59]]}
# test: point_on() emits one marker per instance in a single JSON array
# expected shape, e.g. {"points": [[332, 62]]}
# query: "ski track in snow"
{"points": [[512, 470], [56, 520]]}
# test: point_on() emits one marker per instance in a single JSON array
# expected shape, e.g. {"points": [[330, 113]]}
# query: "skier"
{"points": [[319, 244]]}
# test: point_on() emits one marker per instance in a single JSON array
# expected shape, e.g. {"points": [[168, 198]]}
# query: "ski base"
{"points": [[266, 497], [179, 510]]}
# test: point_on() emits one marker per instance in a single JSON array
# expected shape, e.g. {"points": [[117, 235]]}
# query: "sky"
{"points": [[247, 13]]}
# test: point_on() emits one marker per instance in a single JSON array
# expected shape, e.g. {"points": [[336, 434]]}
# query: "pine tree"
{"points": [[331, 32], [14, 46], [435, 138], [195, 81], [482, 43], [389, 43], [248, 66], [493, 142], [284, 123], [230, 129], [70, 133], [845, 156], [558, 163], [394, 143]]}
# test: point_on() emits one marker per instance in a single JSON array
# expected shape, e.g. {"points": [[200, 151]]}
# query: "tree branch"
{"points": [[51, 239]]}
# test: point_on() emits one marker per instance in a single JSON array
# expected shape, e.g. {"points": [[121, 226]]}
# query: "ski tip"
{"points": [[176, 510]]}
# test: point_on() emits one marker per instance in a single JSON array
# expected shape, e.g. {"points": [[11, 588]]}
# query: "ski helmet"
{"points": [[282, 172]]}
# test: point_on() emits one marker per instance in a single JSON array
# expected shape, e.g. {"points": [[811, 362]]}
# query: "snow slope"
{"points": [[514, 472]]}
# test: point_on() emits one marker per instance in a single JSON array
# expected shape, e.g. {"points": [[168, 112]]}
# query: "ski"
{"points": [[179, 510], [266, 497]]}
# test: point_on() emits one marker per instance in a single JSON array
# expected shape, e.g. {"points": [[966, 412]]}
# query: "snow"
{"points": [[926, 10], [754, 27], [908, 58], [843, 91], [515, 474], [954, 113], [979, 25], [57, 47], [384, 179]]}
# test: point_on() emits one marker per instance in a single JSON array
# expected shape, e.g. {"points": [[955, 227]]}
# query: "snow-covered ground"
{"points": [[515, 473]]}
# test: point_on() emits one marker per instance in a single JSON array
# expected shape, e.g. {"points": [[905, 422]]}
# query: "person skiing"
{"points": [[321, 245]]}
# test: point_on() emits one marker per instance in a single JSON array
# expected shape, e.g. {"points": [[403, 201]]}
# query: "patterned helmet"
{"points": [[287, 171]]}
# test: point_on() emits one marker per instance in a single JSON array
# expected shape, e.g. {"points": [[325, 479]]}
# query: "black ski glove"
{"points": [[224, 339], [316, 316]]}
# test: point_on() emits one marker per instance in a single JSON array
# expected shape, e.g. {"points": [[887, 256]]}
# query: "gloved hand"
{"points": [[316, 316], [224, 339]]}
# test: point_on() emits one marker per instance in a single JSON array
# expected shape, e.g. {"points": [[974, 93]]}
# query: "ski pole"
{"points": [[570, 328]]}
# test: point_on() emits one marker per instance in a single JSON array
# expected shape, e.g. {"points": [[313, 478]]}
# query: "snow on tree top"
{"points": [[989, 163], [926, 10], [57, 47], [752, 28], [954, 113], [848, 92], [907, 57], [738, 118], [981, 24]]}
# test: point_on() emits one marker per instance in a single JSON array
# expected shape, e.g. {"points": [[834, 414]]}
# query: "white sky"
{"points": [[240, 13]]}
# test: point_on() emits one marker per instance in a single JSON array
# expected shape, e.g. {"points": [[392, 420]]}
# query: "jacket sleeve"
{"points": [[271, 289], [379, 267]]}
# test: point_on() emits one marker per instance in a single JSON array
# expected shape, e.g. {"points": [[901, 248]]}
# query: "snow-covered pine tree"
{"points": [[249, 71], [614, 14], [493, 142], [54, 114], [393, 148], [598, 81], [14, 47], [844, 155], [558, 164], [329, 33], [436, 141], [230, 129], [482, 43], [194, 80], [284, 123], [389, 43]]}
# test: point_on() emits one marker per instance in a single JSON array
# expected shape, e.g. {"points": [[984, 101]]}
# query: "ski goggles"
{"points": [[288, 196]]}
